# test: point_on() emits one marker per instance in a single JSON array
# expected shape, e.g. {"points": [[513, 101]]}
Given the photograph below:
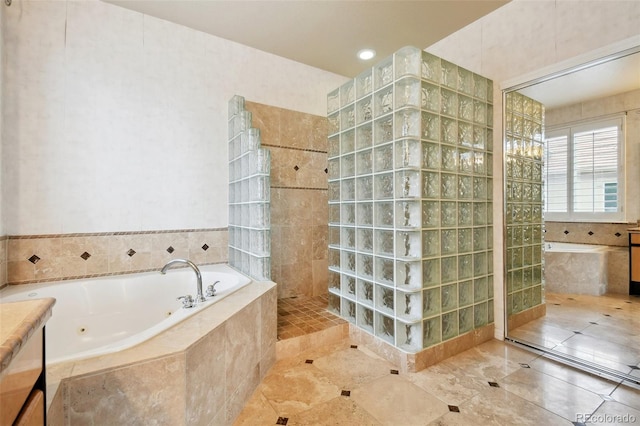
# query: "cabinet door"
{"points": [[635, 263], [32, 413]]}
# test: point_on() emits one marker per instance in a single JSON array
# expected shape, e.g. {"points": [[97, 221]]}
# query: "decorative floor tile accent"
{"points": [[345, 393], [525, 365], [494, 384], [354, 346], [395, 372], [282, 420], [454, 409], [309, 361]]}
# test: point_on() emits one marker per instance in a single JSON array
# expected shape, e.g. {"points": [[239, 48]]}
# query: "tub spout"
{"points": [[199, 297]]}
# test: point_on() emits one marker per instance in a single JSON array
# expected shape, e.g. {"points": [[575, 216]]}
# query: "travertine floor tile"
{"points": [[446, 383], [392, 400], [257, 411], [595, 384], [349, 368], [614, 413], [340, 411], [627, 395]]}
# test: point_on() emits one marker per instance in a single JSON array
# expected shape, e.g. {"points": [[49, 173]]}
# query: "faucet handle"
{"points": [[211, 289], [187, 301]]}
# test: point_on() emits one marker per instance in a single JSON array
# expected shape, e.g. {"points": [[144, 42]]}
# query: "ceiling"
{"points": [[325, 34]]}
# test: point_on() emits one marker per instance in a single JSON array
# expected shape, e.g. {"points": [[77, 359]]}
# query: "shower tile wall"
{"points": [[524, 124], [299, 213], [410, 187], [249, 194]]}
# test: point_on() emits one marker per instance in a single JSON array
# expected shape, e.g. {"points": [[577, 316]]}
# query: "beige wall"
{"points": [[299, 206], [522, 38]]}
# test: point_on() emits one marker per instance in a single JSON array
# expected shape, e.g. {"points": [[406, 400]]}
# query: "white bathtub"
{"points": [[576, 268], [105, 315]]}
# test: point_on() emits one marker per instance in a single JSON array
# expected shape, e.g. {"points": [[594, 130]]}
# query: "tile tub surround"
{"points": [[299, 213], [40, 258], [201, 371]]}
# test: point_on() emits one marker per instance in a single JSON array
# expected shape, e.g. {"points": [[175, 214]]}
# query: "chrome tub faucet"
{"points": [[200, 297]]}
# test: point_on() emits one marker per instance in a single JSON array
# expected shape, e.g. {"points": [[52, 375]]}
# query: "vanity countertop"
{"points": [[18, 321]]}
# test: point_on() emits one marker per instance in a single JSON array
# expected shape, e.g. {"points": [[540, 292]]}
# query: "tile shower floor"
{"points": [[494, 383]]}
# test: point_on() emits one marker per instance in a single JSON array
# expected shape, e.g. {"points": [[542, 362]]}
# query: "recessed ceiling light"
{"points": [[366, 54]]}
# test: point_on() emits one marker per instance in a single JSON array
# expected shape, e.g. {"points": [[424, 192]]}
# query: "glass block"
{"points": [[479, 87], [448, 103], [516, 300], [448, 213], [449, 269], [383, 72], [479, 137], [409, 305], [364, 83], [449, 131], [465, 161], [348, 165], [333, 146], [479, 213], [449, 325], [465, 215], [365, 292], [365, 318], [334, 281], [448, 186], [536, 295], [383, 242], [364, 214], [430, 126], [260, 242], [430, 97], [260, 161], [430, 155], [448, 241], [334, 258], [365, 265], [479, 264], [479, 239], [348, 214], [430, 243], [480, 315], [449, 74], [449, 158], [259, 188], [490, 314], [408, 154], [383, 130], [408, 184], [364, 188], [348, 189], [409, 336], [407, 92], [385, 299], [347, 93], [407, 123], [383, 102], [334, 304], [364, 136], [449, 297], [347, 262], [334, 213], [431, 332], [260, 215], [364, 162], [408, 244], [480, 112], [479, 188], [347, 142], [333, 168], [235, 105], [465, 266], [383, 186], [364, 110], [465, 81], [464, 240], [430, 214], [384, 328], [384, 270], [466, 189], [408, 60], [430, 67], [465, 108], [364, 240], [348, 310], [527, 277], [347, 118], [408, 214], [333, 123], [480, 290], [383, 214], [348, 238], [431, 272], [479, 163], [431, 185], [465, 293], [489, 163], [383, 158], [408, 275], [431, 302], [465, 319], [334, 235], [526, 298]]}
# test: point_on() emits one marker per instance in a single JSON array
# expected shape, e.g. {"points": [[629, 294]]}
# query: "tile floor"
{"points": [[604, 330], [495, 383], [304, 315]]}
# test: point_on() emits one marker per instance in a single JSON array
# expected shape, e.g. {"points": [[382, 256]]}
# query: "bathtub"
{"points": [[577, 268], [101, 316]]}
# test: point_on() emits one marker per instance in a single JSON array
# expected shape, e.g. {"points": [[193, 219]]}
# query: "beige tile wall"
{"points": [[299, 206], [60, 257]]}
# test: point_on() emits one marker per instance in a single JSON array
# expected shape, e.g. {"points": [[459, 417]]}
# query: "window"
{"points": [[584, 172]]}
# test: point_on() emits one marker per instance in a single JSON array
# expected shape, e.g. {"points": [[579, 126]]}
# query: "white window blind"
{"points": [[584, 173]]}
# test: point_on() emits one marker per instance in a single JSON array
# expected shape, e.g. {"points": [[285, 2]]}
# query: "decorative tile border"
{"points": [[609, 234], [41, 258]]}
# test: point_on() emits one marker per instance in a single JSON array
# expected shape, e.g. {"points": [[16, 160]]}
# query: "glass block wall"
{"points": [[410, 187], [249, 194], [524, 124]]}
